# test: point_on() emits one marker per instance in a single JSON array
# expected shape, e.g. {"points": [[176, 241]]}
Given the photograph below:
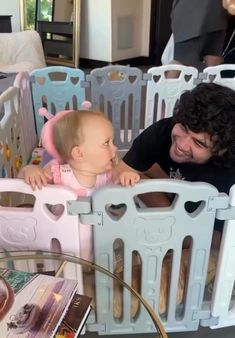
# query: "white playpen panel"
{"points": [[152, 232], [26, 111], [36, 227], [219, 74], [162, 92], [222, 305], [13, 152]]}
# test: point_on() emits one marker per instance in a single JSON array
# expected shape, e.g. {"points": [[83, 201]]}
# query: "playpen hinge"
{"points": [[218, 202], [85, 84], [82, 208], [96, 327], [32, 78], [142, 83], [79, 206], [200, 78], [147, 76], [94, 218], [205, 318], [226, 214]]}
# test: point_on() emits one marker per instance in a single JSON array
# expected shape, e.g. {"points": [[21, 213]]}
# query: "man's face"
{"points": [[188, 146]]}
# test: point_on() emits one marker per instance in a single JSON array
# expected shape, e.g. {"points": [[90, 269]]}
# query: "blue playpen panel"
{"points": [[56, 88]]}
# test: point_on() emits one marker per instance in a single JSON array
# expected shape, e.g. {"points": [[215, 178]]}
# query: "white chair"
{"points": [[21, 52]]}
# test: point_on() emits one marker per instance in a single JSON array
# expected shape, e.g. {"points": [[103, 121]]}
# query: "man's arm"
{"points": [[155, 199], [152, 199], [155, 172]]}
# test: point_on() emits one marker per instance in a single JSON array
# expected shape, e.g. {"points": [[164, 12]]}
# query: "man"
{"points": [[196, 144], [199, 30]]}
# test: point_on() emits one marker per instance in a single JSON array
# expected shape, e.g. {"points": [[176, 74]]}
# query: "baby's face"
{"points": [[98, 148]]}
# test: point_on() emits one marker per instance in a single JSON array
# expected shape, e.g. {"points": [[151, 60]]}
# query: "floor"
{"points": [[228, 332]]}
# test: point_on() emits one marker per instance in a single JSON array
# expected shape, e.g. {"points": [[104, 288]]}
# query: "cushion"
{"points": [[23, 51]]}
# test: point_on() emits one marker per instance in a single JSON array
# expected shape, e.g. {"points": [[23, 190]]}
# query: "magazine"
{"points": [[75, 317], [40, 303]]}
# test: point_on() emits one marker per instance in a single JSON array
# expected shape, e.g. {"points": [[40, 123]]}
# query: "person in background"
{"points": [[199, 31]]}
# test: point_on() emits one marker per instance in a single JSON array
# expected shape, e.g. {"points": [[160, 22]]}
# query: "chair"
{"points": [[21, 52]]}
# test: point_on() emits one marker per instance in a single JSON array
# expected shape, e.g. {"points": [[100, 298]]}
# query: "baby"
{"points": [[81, 142]]}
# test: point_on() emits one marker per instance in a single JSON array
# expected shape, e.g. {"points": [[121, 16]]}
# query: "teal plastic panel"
{"points": [[56, 88], [152, 232]]}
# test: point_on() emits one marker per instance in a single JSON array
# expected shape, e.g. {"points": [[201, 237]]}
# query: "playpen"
{"points": [[132, 100]]}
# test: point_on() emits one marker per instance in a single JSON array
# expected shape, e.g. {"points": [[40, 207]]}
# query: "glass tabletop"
{"points": [[111, 296]]}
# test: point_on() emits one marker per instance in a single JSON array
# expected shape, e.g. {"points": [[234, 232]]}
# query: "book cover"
{"points": [[75, 317], [40, 303]]}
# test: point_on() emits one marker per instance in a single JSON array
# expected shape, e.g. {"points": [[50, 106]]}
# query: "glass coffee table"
{"points": [[94, 278]]}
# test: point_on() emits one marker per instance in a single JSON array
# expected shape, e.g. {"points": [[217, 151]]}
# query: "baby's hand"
{"points": [[128, 178], [36, 176]]}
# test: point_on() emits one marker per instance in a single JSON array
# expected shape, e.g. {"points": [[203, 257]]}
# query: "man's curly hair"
{"points": [[210, 108]]}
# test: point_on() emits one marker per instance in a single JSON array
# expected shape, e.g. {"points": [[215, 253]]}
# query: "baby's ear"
{"points": [[76, 153]]}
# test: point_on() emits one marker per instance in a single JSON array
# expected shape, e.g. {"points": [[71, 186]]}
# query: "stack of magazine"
{"points": [[38, 305]]}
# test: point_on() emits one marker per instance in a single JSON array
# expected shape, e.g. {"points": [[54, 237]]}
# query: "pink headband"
{"points": [[47, 129]]}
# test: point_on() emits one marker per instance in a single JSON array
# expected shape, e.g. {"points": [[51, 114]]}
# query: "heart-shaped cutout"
{"points": [[54, 211], [116, 211], [156, 78], [187, 78], [194, 208], [74, 79], [132, 78], [100, 79]]}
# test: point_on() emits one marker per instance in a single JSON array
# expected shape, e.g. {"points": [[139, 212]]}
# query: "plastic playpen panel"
{"points": [[162, 92], [22, 81], [13, 151], [222, 74], [56, 88], [117, 91], [151, 233], [36, 227]]}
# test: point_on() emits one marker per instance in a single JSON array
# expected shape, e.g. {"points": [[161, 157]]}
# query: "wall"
{"points": [[130, 28], [95, 36], [113, 30], [11, 7]]}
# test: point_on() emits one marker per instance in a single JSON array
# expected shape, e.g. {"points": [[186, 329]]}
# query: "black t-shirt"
{"points": [[153, 145]]}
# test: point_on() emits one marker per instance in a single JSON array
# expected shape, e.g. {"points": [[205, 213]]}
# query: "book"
{"points": [[75, 317], [39, 305]]}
